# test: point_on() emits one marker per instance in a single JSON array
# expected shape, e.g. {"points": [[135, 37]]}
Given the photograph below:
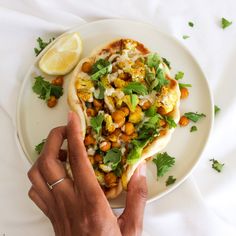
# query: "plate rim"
{"points": [[21, 145]]}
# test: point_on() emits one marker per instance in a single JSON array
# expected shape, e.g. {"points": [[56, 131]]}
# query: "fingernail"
{"points": [[142, 169], [70, 114]]}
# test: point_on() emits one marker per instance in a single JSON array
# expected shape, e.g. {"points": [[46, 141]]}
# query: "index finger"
{"points": [[80, 165], [49, 164]]}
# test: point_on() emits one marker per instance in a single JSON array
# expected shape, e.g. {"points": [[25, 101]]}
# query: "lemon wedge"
{"points": [[62, 56]]}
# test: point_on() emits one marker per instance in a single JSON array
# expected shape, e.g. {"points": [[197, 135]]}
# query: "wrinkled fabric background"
{"points": [[205, 204]]}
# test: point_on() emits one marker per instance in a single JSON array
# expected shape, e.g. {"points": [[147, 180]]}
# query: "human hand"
{"points": [[79, 206]]}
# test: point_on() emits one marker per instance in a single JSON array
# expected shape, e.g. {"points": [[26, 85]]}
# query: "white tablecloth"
{"points": [[205, 204]]}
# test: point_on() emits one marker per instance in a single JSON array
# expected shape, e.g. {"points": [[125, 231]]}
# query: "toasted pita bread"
{"points": [[81, 91]]}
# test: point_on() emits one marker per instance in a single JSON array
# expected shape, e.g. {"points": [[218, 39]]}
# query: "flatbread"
{"points": [[129, 63]]}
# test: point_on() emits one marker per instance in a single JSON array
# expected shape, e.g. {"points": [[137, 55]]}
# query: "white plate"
{"points": [[35, 119]]}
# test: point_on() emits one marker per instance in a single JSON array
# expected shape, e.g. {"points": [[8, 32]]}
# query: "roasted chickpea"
{"points": [[86, 67], [115, 145], [162, 132], [105, 146], [52, 101], [125, 76], [126, 138], [89, 139], [183, 121], [58, 81], [162, 123], [118, 116], [161, 111], [98, 104], [91, 159], [98, 158], [125, 110], [146, 105], [91, 112], [113, 137], [110, 179], [184, 93], [129, 128]]}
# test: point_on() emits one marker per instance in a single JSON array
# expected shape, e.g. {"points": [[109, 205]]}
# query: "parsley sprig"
{"points": [[216, 165], [194, 116], [41, 45], [225, 23], [39, 147], [163, 163], [45, 89], [170, 180]]}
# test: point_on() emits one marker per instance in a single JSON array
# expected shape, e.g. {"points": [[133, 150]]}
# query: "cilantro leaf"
{"points": [[152, 111], [101, 91], [170, 180], [41, 45], [193, 128], [186, 36], [181, 85], [179, 75], [163, 163], [100, 68], [145, 135], [166, 62], [153, 60], [38, 148], [96, 122], [194, 116], [170, 121], [45, 89], [216, 109], [190, 23], [216, 165], [135, 87], [225, 23], [134, 101], [112, 158], [151, 80], [162, 81]]}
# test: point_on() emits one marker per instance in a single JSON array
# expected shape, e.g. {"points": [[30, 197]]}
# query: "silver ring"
{"points": [[55, 183]]}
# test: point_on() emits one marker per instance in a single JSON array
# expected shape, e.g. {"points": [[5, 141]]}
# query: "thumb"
{"points": [[131, 220]]}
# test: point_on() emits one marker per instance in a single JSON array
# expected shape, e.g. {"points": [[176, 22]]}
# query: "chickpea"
{"points": [[105, 146], [110, 179], [121, 123], [89, 139], [115, 145], [162, 123], [125, 110], [98, 158], [162, 132], [126, 138], [97, 103], [125, 76], [146, 105], [183, 121], [161, 111], [184, 93], [91, 112], [86, 67], [134, 135], [118, 116], [52, 101], [91, 159], [58, 81], [113, 137], [129, 128]]}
